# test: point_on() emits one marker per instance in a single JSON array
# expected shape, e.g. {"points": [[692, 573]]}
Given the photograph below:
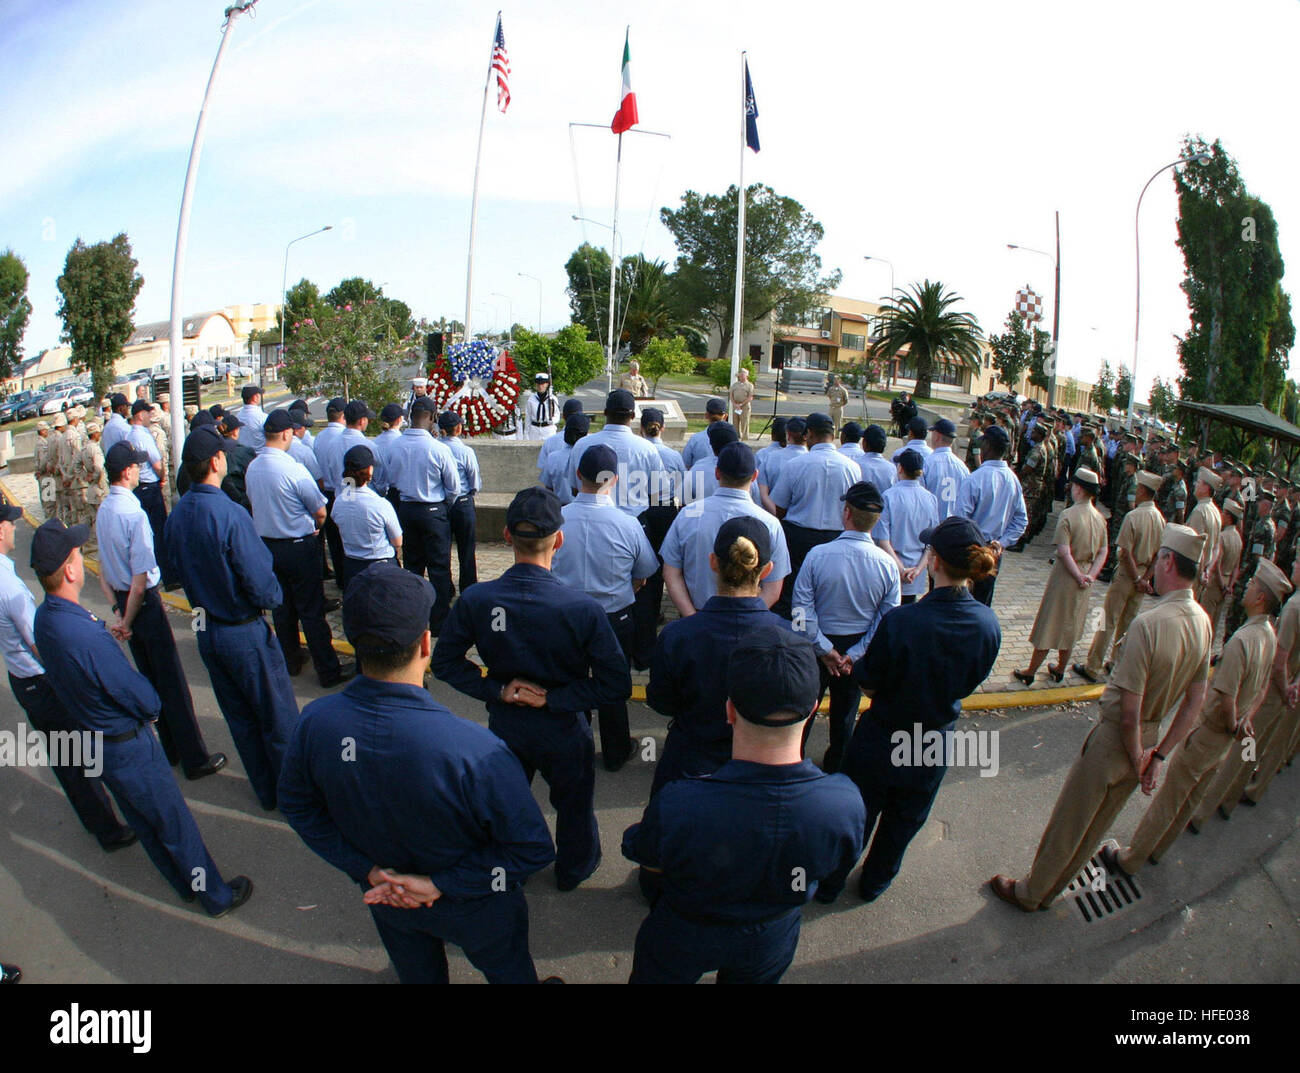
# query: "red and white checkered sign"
{"points": [[1029, 305]]}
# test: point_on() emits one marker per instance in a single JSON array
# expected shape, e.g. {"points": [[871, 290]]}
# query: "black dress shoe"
{"points": [[1083, 672], [1224, 813], [216, 761], [120, 839], [617, 764], [1247, 802], [345, 672], [10, 974], [1110, 858], [332, 604], [294, 669], [243, 888]]}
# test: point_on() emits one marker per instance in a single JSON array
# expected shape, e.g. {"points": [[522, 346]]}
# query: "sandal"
{"points": [[1023, 677]]}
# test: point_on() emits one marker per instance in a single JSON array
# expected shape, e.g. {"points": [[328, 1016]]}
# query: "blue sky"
{"points": [[928, 133]]}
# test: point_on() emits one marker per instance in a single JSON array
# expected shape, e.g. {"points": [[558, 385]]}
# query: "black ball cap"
{"points": [[140, 405], [715, 406], [571, 407], [202, 419], [249, 392], [819, 422], [864, 495], [277, 421], [875, 438], [736, 461], [201, 444], [391, 412], [620, 402], [652, 415], [851, 432], [996, 435], [53, 543], [424, 405], [118, 400], [10, 513], [797, 426], [355, 411], [774, 680], [951, 538], [358, 456], [336, 405], [911, 461], [231, 421], [534, 512], [721, 433], [598, 463], [449, 419], [917, 427], [946, 428], [579, 423], [217, 410], [123, 454], [743, 525], [386, 609]]}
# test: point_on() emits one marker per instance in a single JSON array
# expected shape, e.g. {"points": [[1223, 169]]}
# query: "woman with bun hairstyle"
{"points": [[923, 659]]}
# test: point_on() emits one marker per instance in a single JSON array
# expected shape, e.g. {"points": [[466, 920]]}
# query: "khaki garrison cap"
{"points": [[1150, 480], [1209, 477], [1183, 540], [1273, 579], [1232, 507]]}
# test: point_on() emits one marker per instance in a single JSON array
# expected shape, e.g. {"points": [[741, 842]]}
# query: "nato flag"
{"points": [[751, 113]]}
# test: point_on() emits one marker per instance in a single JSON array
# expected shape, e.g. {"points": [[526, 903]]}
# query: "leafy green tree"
{"points": [[1038, 352], [97, 292], [14, 311], [348, 352], [1123, 387], [588, 290], [354, 291], [665, 355], [925, 323], [570, 356], [1235, 348], [1164, 400], [1011, 350], [1103, 392], [302, 302], [720, 371], [783, 270]]}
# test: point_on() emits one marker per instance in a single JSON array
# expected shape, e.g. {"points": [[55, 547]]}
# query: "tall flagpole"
{"points": [[740, 236], [613, 269], [473, 212]]}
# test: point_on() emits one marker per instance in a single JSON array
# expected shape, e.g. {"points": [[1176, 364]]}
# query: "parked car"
{"points": [[237, 369], [57, 401], [32, 407], [204, 370], [10, 407]]}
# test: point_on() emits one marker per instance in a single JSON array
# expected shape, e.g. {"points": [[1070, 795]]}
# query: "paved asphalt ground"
{"points": [[1222, 907]]}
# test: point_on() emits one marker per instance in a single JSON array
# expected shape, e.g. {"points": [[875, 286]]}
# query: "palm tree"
{"points": [[924, 323], [650, 307]]}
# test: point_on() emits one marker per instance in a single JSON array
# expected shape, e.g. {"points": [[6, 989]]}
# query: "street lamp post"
{"points": [[183, 227], [868, 257], [1203, 160], [284, 290], [1055, 359], [613, 272], [539, 298], [510, 315]]}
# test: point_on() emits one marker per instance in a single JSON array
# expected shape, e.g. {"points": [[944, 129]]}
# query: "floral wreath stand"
{"points": [[479, 382]]}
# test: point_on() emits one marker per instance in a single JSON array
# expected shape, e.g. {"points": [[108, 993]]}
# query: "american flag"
{"points": [[501, 64]]}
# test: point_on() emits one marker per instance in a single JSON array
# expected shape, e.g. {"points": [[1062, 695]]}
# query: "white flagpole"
{"points": [[740, 237], [613, 269], [473, 212]]}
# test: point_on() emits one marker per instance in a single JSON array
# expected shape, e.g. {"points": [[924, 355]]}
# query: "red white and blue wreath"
{"points": [[479, 382]]}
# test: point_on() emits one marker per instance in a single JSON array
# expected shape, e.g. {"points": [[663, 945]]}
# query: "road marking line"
{"points": [[370, 959]]}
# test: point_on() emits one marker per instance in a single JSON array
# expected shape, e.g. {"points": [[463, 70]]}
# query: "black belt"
{"points": [[542, 424], [116, 738], [234, 622], [423, 502], [287, 540], [699, 918]]}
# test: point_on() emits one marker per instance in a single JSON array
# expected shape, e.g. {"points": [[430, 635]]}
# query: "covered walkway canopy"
{"points": [[1246, 423]]}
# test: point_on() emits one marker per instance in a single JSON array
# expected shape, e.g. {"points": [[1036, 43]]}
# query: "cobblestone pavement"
{"points": [[1020, 586]]}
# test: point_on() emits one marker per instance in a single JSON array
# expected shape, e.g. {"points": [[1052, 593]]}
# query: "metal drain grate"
{"points": [[1099, 894]]}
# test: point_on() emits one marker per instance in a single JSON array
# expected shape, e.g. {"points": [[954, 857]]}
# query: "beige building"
{"points": [[206, 337]]}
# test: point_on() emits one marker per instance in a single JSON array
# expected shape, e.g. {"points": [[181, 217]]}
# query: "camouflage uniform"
{"points": [[66, 446], [1125, 498], [1259, 544], [45, 473], [90, 472], [1033, 479], [1049, 474], [161, 438]]}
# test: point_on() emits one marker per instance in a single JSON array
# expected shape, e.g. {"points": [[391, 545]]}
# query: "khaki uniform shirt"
{"points": [[838, 396], [1205, 519], [742, 394], [1242, 674], [635, 383], [90, 471], [1166, 650], [1141, 532], [1230, 541]]}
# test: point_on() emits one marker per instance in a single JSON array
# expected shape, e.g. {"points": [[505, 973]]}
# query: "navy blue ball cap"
{"points": [[217, 410], [231, 421], [911, 460], [944, 427], [118, 400], [736, 461], [123, 454], [851, 432], [300, 419], [598, 463], [721, 433], [875, 438], [571, 407], [277, 421], [249, 392], [386, 609], [796, 426], [749, 527], [778, 429], [53, 542], [773, 679], [336, 405], [651, 415], [534, 512], [917, 427], [864, 495], [358, 456], [424, 405], [620, 402], [996, 435], [449, 419], [202, 443], [391, 412], [140, 405], [715, 406], [298, 404], [10, 513], [579, 423], [951, 538], [202, 419], [820, 422], [355, 411]]}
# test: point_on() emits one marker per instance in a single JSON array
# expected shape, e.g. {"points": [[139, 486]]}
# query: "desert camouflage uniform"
{"points": [[44, 471]]}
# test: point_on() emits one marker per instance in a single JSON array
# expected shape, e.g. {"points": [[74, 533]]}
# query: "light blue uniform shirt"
{"points": [[993, 500], [115, 429], [910, 508], [854, 453], [640, 469], [142, 439], [381, 445], [549, 446], [17, 613], [919, 446], [556, 474], [423, 469], [877, 469], [125, 540], [331, 456], [301, 452], [702, 481], [467, 471], [770, 466], [810, 486], [690, 541], [252, 419], [945, 475], [697, 447], [367, 523], [845, 587], [604, 551], [309, 439], [321, 447], [283, 495], [674, 467]]}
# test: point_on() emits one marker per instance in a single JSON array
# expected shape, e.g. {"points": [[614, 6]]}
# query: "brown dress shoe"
{"points": [[1005, 888]]}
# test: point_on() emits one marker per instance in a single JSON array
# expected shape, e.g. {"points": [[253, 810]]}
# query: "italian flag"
{"points": [[626, 117]]}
